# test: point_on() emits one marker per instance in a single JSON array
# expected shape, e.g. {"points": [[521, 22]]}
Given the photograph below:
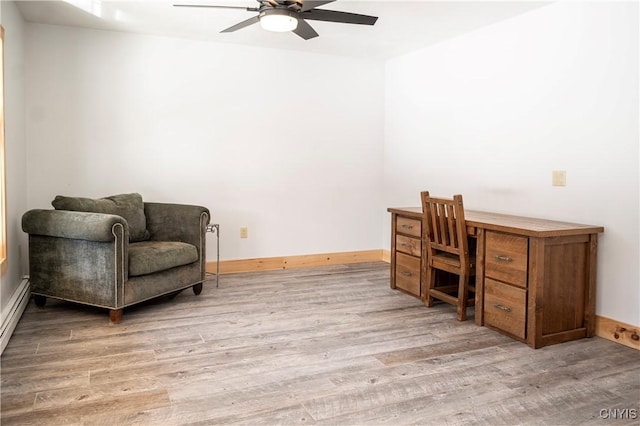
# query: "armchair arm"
{"points": [[73, 225], [177, 222], [78, 256]]}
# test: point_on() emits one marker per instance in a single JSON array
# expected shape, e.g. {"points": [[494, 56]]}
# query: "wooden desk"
{"points": [[535, 278]]}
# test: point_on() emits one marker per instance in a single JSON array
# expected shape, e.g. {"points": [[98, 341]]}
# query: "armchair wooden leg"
{"points": [[39, 300], [115, 316], [197, 288]]}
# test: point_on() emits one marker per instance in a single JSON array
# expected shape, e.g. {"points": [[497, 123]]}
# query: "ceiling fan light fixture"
{"points": [[278, 20]]}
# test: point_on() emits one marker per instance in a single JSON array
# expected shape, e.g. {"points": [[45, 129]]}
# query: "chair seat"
{"points": [[452, 260], [147, 257]]}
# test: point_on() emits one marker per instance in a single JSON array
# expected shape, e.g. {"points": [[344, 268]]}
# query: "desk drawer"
{"points": [[506, 258], [412, 246], [412, 227], [505, 307], [408, 273]]}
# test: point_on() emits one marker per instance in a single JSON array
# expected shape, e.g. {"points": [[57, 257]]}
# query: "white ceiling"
{"points": [[402, 26]]}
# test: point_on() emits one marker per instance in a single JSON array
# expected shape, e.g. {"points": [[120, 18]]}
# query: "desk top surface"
{"points": [[533, 227]]}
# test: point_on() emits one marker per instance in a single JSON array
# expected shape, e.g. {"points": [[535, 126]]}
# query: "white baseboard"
{"points": [[12, 313]]}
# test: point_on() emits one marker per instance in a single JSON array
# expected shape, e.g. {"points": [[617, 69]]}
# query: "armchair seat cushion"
{"points": [[147, 257]]}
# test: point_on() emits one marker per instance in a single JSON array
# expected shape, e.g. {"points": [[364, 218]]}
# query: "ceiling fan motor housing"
{"points": [[278, 19]]}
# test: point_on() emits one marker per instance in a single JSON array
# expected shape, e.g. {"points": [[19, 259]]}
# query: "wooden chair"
{"points": [[446, 248]]}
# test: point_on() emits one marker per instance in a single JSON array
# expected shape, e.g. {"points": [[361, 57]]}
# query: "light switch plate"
{"points": [[559, 178]]}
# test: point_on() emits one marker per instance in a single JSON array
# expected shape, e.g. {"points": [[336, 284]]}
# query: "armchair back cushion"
{"points": [[128, 206]]}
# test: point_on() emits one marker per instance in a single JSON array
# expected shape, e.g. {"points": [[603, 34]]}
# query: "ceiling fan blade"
{"points": [[335, 16], [310, 4], [241, 25], [251, 9], [305, 30]]}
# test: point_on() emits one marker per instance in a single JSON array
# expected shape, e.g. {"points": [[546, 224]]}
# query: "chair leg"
{"points": [[463, 289], [115, 316], [197, 289], [430, 283]]}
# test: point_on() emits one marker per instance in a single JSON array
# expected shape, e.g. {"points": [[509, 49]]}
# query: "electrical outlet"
{"points": [[244, 232], [559, 178]]}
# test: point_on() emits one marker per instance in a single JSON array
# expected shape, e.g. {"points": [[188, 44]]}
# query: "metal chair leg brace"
{"points": [[215, 228]]}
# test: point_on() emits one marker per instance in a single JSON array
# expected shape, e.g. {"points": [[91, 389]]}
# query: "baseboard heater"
{"points": [[13, 311]]}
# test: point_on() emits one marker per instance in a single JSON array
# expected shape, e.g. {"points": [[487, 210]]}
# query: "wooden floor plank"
{"points": [[82, 412], [326, 345]]}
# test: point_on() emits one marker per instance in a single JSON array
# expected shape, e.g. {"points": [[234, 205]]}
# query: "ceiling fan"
{"points": [[291, 15]]}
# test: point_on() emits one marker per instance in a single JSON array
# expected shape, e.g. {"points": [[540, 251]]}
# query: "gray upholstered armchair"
{"points": [[116, 251]]}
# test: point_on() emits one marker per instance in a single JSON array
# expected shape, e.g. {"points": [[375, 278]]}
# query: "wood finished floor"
{"points": [[326, 346]]}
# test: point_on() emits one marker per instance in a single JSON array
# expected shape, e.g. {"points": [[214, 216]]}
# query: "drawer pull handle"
{"points": [[406, 274], [502, 308], [405, 226], [406, 245], [503, 258]]}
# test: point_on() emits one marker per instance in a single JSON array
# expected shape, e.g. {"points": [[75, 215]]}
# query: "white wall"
{"points": [[13, 288], [289, 144], [16, 160], [490, 114]]}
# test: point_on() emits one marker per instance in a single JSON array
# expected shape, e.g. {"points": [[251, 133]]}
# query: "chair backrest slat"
{"points": [[444, 237], [432, 221], [451, 220]]}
